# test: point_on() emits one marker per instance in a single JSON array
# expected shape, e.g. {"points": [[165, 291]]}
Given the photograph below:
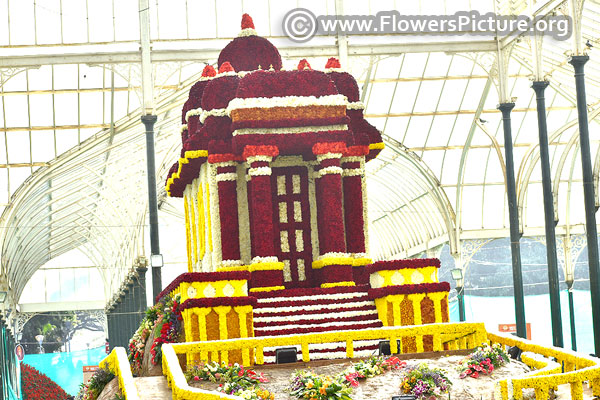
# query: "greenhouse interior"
{"points": [[311, 199]]}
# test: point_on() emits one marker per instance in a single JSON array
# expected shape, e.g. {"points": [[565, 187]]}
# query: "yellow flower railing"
{"points": [[578, 368], [118, 363], [457, 335], [178, 384]]}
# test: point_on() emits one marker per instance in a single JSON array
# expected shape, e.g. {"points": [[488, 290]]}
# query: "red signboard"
{"points": [[90, 368], [512, 328]]}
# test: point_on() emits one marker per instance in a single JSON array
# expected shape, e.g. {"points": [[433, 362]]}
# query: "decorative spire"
{"points": [[208, 72], [226, 67], [333, 63], [303, 64], [247, 22]]}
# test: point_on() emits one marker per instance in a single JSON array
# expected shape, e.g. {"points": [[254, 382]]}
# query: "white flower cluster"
{"points": [[183, 127]]}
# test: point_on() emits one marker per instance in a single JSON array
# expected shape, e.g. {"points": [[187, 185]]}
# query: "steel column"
{"points": [[578, 63], [572, 317], [515, 235], [460, 294], [148, 121], [557, 335]]}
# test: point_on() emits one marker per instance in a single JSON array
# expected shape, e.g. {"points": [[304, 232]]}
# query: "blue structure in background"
{"points": [[66, 369]]}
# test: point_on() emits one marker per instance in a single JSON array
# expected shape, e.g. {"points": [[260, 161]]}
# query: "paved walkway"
{"points": [[153, 388]]}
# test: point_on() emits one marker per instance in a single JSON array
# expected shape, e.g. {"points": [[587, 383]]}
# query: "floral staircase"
{"points": [[313, 310]]}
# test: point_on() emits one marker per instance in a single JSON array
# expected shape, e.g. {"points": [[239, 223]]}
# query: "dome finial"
{"points": [[209, 71], [226, 67], [333, 63], [247, 22], [303, 64]]}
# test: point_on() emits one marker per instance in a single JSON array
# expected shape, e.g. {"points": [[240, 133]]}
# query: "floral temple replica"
{"points": [[272, 177], [272, 174]]}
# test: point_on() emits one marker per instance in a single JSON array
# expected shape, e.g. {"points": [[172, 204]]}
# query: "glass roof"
{"points": [[72, 148]]}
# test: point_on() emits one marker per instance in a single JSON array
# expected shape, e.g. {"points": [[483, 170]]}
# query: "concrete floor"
{"points": [[153, 388]]}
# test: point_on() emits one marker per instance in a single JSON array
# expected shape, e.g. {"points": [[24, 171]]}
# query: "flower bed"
{"points": [[425, 382], [37, 386]]}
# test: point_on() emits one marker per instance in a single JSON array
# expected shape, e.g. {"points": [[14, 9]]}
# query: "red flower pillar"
{"points": [[334, 264], [228, 206], [267, 271], [353, 175]]}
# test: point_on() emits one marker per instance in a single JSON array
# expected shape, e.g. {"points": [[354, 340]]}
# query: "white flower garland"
{"points": [[260, 171], [183, 127], [252, 159], [333, 254], [192, 113], [227, 73], [353, 172], [328, 156], [356, 105], [270, 259], [229, 176], [290, 131], [215, 112], [231, 263], [330, 171], [288, 101]]}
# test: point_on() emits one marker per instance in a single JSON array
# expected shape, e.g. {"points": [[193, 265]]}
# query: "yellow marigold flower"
{"points": [[323, 390]]}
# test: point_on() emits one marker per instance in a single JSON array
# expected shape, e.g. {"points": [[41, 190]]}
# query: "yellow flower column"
{"points": [[416, 302]]}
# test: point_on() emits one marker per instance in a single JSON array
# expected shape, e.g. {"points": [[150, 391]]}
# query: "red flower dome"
{"points": [[249, 52]]}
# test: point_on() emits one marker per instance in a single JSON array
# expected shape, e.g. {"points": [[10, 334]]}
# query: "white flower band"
{"points": [[229, 176], [215, 112], [287, 101], [292, 130], [259, 171], [191, 113], [329, 171]]}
